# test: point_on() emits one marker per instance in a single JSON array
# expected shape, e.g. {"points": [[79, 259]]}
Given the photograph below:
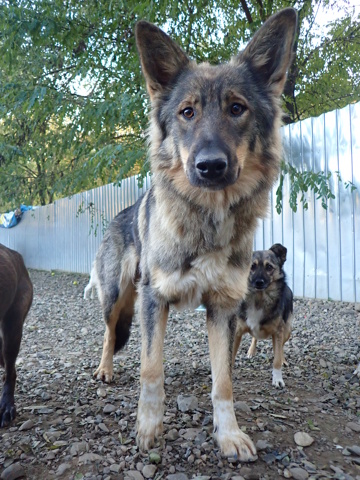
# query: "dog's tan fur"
{"points": [[215, 154]]}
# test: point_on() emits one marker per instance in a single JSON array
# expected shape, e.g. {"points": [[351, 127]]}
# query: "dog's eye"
{"points": [[237, 109], [253, 267], [269, 268], [188, 112]]}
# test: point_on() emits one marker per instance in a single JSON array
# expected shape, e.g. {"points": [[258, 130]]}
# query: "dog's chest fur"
{"points": [[188, 255]]}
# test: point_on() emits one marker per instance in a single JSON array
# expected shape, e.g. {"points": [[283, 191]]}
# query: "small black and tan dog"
{"points": [[16, 294], [268, 307]]}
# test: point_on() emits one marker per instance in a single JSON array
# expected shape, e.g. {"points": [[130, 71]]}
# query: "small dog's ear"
{"points": [[280, 251], [269, 53], [161, 58]]}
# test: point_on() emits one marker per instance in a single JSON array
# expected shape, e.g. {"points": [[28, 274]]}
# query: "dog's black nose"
{"points": [[260, 283], [211, 164]]}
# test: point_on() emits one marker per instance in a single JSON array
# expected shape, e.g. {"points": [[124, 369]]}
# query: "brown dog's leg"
{"points": [[232, 441], [278, 346], [252, 348], [153, 317]]}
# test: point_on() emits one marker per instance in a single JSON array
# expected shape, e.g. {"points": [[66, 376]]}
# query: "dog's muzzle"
{"points": [[211, 164]]}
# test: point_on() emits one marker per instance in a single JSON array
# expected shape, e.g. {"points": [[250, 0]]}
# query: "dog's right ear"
{"points": [[280, 251], [161, 58]]}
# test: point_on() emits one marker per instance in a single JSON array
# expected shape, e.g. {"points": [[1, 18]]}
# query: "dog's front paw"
{"points": [[250, 353], [104, 373], [149, 427], [236, 444], [7, 413], [277, 379]]}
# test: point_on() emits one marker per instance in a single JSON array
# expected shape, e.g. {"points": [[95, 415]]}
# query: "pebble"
{"points": [[187, 403], [299, 473], [177, 476], [303, 439], [26, 425], [354, 426], [149, 471], [64, 467], [355, 450], [109, 408], [16, 470]]}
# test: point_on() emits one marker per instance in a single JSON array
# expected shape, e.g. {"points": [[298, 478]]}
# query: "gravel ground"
{"points": [[70, 426]]}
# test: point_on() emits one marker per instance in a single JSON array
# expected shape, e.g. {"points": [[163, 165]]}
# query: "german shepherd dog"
{"points": [[268, 306], [16, 294], [215, 151]]}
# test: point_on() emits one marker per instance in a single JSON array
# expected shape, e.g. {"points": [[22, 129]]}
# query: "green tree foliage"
{"points": [[72, 100]]}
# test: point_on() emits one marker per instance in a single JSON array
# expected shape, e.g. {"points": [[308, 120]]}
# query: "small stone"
{"points": [[154, 457], [303, 439], [237, 477], [299, 473], [134, 475], [261, 445], [115, 468], [101, 392], [242, 407], [109, 408], [89, 457], [177, 476], [187, 403], [12, 472], [64, 467], [103, 427], [26, 425], [149, 471], [355, 450], [355, 427], [172, 435], [77, 448]]}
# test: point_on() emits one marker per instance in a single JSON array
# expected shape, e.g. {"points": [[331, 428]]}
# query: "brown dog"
{"points": [[16, 294], [268, 306]]}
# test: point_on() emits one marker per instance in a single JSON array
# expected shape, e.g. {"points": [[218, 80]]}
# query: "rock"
{"points": [[89, 457], [134, 475], [154, 457], [149, 471], [303, 439], [109, 408], [78, 448], [355, 427], [115, 468], [177, 476], [299, 473], [261, 445], [64, 467], [242, 407], [187, 403], [172, 435], [355, 450], [26, 425], [12, 472]]}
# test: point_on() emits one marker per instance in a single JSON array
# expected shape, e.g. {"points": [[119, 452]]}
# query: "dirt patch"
{"points": [[70, 426]]}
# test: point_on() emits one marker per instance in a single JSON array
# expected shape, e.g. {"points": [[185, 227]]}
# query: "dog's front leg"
{"points": [[153, 317], [232, 441]]}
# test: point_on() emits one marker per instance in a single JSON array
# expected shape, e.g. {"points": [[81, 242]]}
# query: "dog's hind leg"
{"points": [[232, 441], [153, 316], [118, 316], [252, 349]]}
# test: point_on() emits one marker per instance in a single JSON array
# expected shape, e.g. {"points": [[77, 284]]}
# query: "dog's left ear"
{"points": [[161, 58], [269, 53], [280, 251]]}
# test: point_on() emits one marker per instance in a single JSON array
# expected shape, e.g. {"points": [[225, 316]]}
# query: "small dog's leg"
{"points": [[278, 346], [232, 441], [11, 333], [252, 348], [237, 341], [153, 316]]}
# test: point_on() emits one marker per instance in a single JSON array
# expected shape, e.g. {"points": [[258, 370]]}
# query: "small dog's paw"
{"points": [[237, 445], [277, 379], [104, 373], [250, 353]]}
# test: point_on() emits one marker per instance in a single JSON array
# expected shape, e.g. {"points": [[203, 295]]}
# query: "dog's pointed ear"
{"points": [[270, 51], [161, 59], [280, 251]]}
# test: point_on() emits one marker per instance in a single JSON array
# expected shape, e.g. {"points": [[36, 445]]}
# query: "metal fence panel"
{"points": [[323, 245]]}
